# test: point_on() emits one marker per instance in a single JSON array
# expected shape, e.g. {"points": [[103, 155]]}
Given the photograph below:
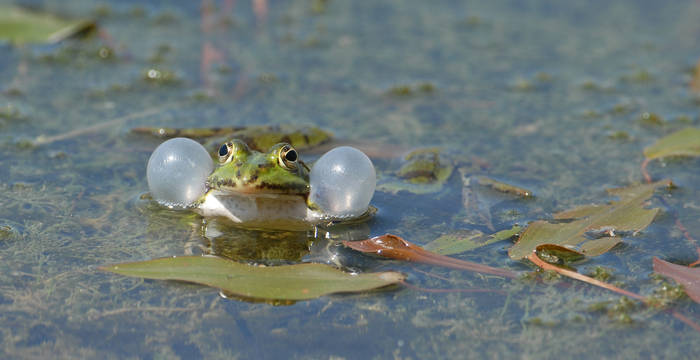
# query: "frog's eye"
{"points": [[225, 152], [288, 157]]}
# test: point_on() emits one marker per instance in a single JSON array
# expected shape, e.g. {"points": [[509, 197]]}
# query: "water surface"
{"points": [[543, 94]]}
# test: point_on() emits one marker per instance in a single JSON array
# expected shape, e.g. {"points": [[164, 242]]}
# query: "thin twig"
{"points": [[140, 309], [647, 177], [43, 140], [685, 320], [574, 275], [679, 225]]}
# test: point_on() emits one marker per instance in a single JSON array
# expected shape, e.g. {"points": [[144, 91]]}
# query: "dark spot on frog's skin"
{"points": [[296, 188], [253, 178], [306, 139], [238, 173], [224, 182]]}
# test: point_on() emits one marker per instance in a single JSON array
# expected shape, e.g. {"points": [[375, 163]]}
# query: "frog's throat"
{"points": [[258, 207]]}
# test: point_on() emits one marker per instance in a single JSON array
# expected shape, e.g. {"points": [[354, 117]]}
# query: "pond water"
{"points": [[558, 97]]}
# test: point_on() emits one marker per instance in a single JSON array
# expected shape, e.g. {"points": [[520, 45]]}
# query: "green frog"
{"points": [[260, 189]]}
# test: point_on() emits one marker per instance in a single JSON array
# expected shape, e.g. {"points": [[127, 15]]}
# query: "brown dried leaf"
{"points": [[686, 276], [394, 247]]}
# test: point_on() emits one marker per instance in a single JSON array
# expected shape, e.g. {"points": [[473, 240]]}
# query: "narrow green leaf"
{"points": [[504, 187], [685, 142], [21, 26], [287, 282], [465, 240], [595, 229], [578, 212]]}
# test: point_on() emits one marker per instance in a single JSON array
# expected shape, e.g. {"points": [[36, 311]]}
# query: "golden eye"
{"points": [[225, 152], [288, 157]]}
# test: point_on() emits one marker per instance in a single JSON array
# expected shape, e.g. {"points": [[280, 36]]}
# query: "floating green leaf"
{"points": [[685, 142], [465, 240], [594, 229], [287, 282], [22, 26], [423, 172], [503, 187]]}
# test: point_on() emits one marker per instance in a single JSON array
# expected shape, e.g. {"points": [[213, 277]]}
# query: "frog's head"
{"points": [[245, 171]]}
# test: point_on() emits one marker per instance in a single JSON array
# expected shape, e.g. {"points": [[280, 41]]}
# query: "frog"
{"points": [[267, 189]]}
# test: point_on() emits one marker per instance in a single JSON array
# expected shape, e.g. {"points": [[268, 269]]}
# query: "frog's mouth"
{"points": [[258, 190], [229, 186]]}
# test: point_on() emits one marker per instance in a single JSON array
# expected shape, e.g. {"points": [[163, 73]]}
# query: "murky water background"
{"points": [[547, 95]]}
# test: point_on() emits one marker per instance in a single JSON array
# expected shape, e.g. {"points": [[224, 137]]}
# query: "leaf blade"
{"points": [[465, 240], [684, 142], [287, 282], [22, 26], [627, 215]]}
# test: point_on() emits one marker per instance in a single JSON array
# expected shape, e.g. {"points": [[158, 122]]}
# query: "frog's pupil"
{"points": [[291, 155], [223, 150]]}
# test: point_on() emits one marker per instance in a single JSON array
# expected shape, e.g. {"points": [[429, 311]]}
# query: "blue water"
{"points": [[542, 94]]}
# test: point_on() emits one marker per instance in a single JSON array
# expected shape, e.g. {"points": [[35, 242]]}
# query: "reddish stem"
{"points": [[685, 320], [679, 225], [647, 177], [687, 236], [260, 10], [574, 275], [697, 262]]}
